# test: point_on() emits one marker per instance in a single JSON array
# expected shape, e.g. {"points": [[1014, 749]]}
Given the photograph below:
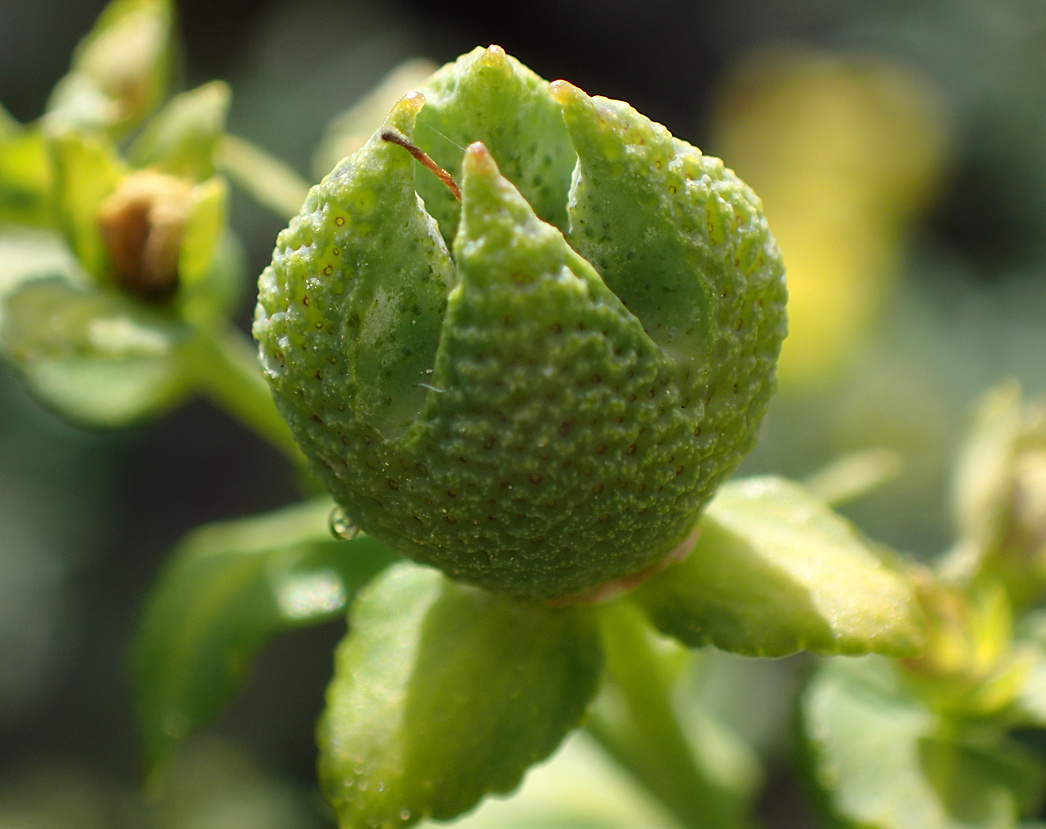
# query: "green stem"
{"points": [[268, 180], [637, 724], [225, 368], [855, 475]]}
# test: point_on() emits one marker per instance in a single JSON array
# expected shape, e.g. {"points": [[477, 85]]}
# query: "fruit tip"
{"points": [[494, 55], [564, 92], [478, 159], [412, 102]]}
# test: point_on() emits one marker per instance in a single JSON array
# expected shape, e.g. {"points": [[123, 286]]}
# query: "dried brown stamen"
{"points": [[394, 137]]}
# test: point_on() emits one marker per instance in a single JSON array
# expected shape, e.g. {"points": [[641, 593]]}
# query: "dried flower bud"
{"points": [[142, 223]]}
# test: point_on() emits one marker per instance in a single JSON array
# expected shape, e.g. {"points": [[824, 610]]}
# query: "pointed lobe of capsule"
{"points": [[557, 456], [349, 311], [684, 243], [489, 96]]}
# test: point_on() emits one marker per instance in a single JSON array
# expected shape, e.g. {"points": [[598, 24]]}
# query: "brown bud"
{"points": [[141, 225]]}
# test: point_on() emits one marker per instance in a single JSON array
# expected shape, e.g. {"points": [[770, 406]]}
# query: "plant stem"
{"points": [[855, 475], [268, 180], [643, 733], [225, 366]]}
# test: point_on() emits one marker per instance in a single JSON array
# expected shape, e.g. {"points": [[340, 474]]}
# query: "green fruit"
{"points": [[543, 403]]}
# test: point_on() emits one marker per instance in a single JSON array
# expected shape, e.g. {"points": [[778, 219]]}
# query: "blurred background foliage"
{"points": [[900, 149]]}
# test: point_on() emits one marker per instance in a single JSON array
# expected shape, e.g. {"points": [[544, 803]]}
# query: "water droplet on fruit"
{"points": [[342, 526]]}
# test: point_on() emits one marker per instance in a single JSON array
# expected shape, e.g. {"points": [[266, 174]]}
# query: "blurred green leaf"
{"points": [[775, 571], [1031, 700], [87, 170], [444, 693], [28, 254], [579, 788], [8, 123], [121, 70], [215, 784], [95, 357], [1000, 496], [266, 179], [854, 475], [181, 139], [983, 477], [694, 767], [227, 590], [349, 130], [48, 793], [108, 394], [884, 760], [210, 292], [204, 226], [25, 177], [838, 213]]}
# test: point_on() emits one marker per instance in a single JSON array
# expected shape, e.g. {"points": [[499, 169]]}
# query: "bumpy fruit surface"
{"points": [[535, 391]]}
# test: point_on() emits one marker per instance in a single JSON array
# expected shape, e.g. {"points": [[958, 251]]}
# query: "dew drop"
{"points": [[342, 526], [405, 815]]}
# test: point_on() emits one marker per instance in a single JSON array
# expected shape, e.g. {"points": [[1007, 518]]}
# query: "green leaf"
{"points": [[210, 292], [579, 788], [95, 357], [854, 476], [105, 395], [29, 254], [181, 140], [1031, 700], [204, 226], [87, 170], [266, 179], [216, 783], [9, 125], [444, 693], [984, 477], [120, 71], [228, 589], [25, 177], [884, 760], [775, 571], [1000, 497]]}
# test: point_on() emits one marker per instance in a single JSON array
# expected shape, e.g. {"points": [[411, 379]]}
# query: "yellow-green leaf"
{"points": [[182, 138], [94, 357], [120, 71], [885, 760], [229, 588], [87, 170], [444, 693], [775, 571]]}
